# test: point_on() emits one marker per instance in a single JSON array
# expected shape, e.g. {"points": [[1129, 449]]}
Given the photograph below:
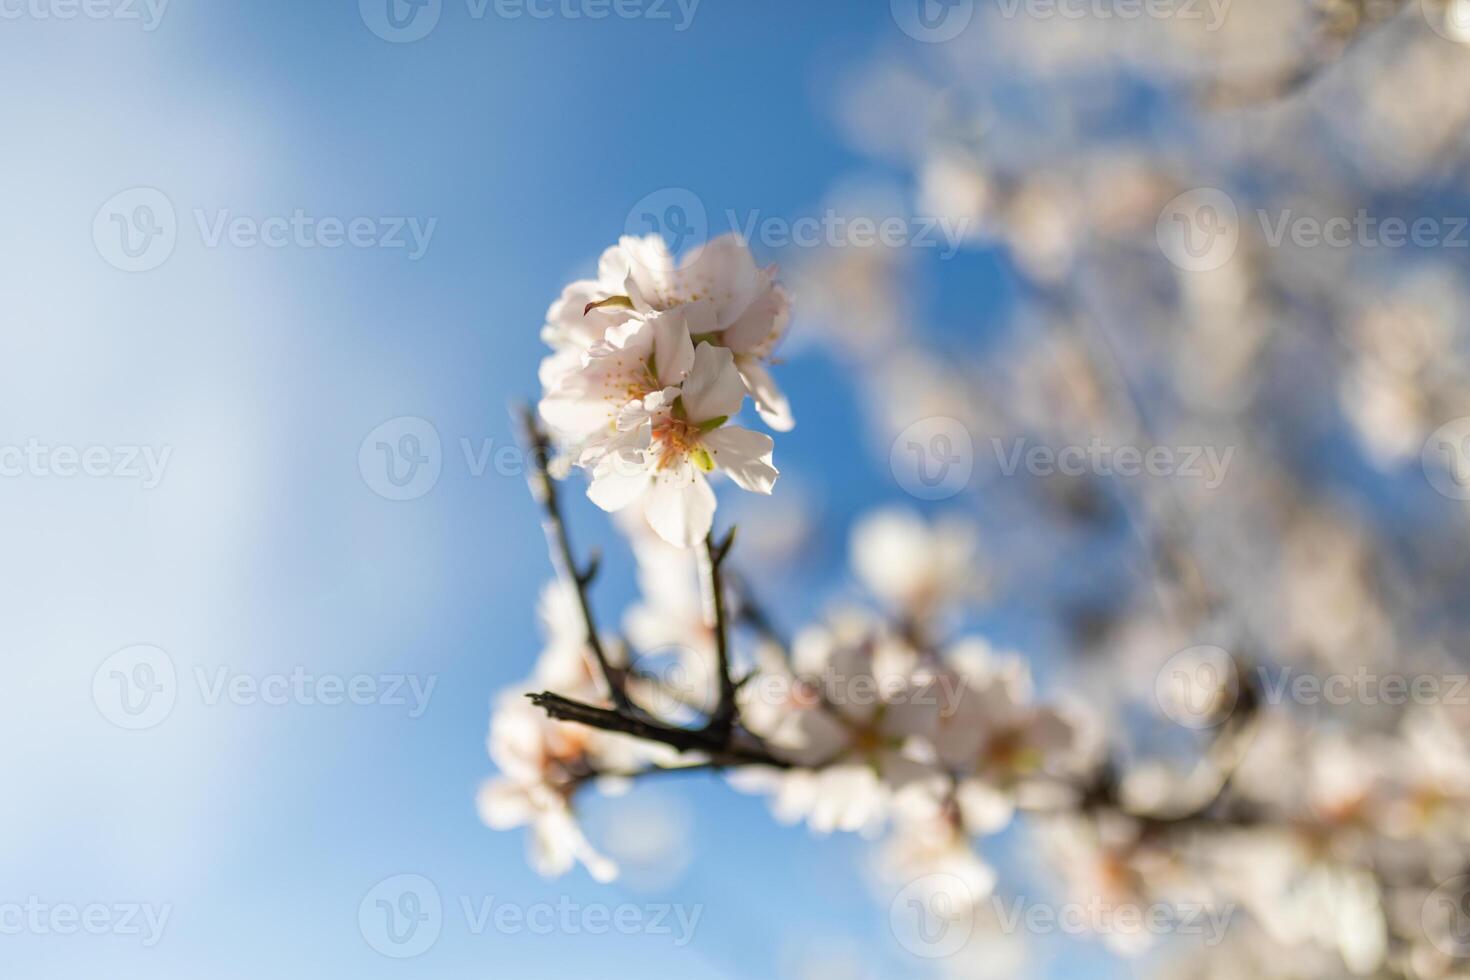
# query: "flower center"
{"points": [[677, 440]]}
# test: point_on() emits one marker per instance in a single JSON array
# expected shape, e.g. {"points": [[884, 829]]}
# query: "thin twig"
{"points": [[722, 721], [543, 489], [718, 747]]}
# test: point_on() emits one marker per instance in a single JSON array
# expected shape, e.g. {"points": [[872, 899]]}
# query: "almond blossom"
{"points": [[540, 761], [995, 740], [646, 375], [668, 441], [543, 762], [918, 567], [751, 310], [855, 709]]}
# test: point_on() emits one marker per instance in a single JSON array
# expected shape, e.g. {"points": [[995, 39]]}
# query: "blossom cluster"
{"points": [[651, 361]]}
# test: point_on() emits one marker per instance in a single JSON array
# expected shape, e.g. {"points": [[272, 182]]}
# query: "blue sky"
{"points": [[262, 550]]}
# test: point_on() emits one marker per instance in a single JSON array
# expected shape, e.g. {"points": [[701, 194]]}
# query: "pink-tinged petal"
{"points": [[713, 389], [744, 456], [673, 350], [763, 324], [680, 505], [620, 479], [774, 408], [724, 272]]}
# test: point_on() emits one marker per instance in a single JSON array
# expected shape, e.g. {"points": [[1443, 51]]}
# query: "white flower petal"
{"points": [[723, 271], [620, 479], [773, 406], [985, 809], [713, 388], [760, 328], [744, 456], [673, 351], [504, 804], [680, 505]]}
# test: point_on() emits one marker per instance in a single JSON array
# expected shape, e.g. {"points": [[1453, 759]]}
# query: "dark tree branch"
{"points": [[719, 747], [544, 490], [722, 721]]}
